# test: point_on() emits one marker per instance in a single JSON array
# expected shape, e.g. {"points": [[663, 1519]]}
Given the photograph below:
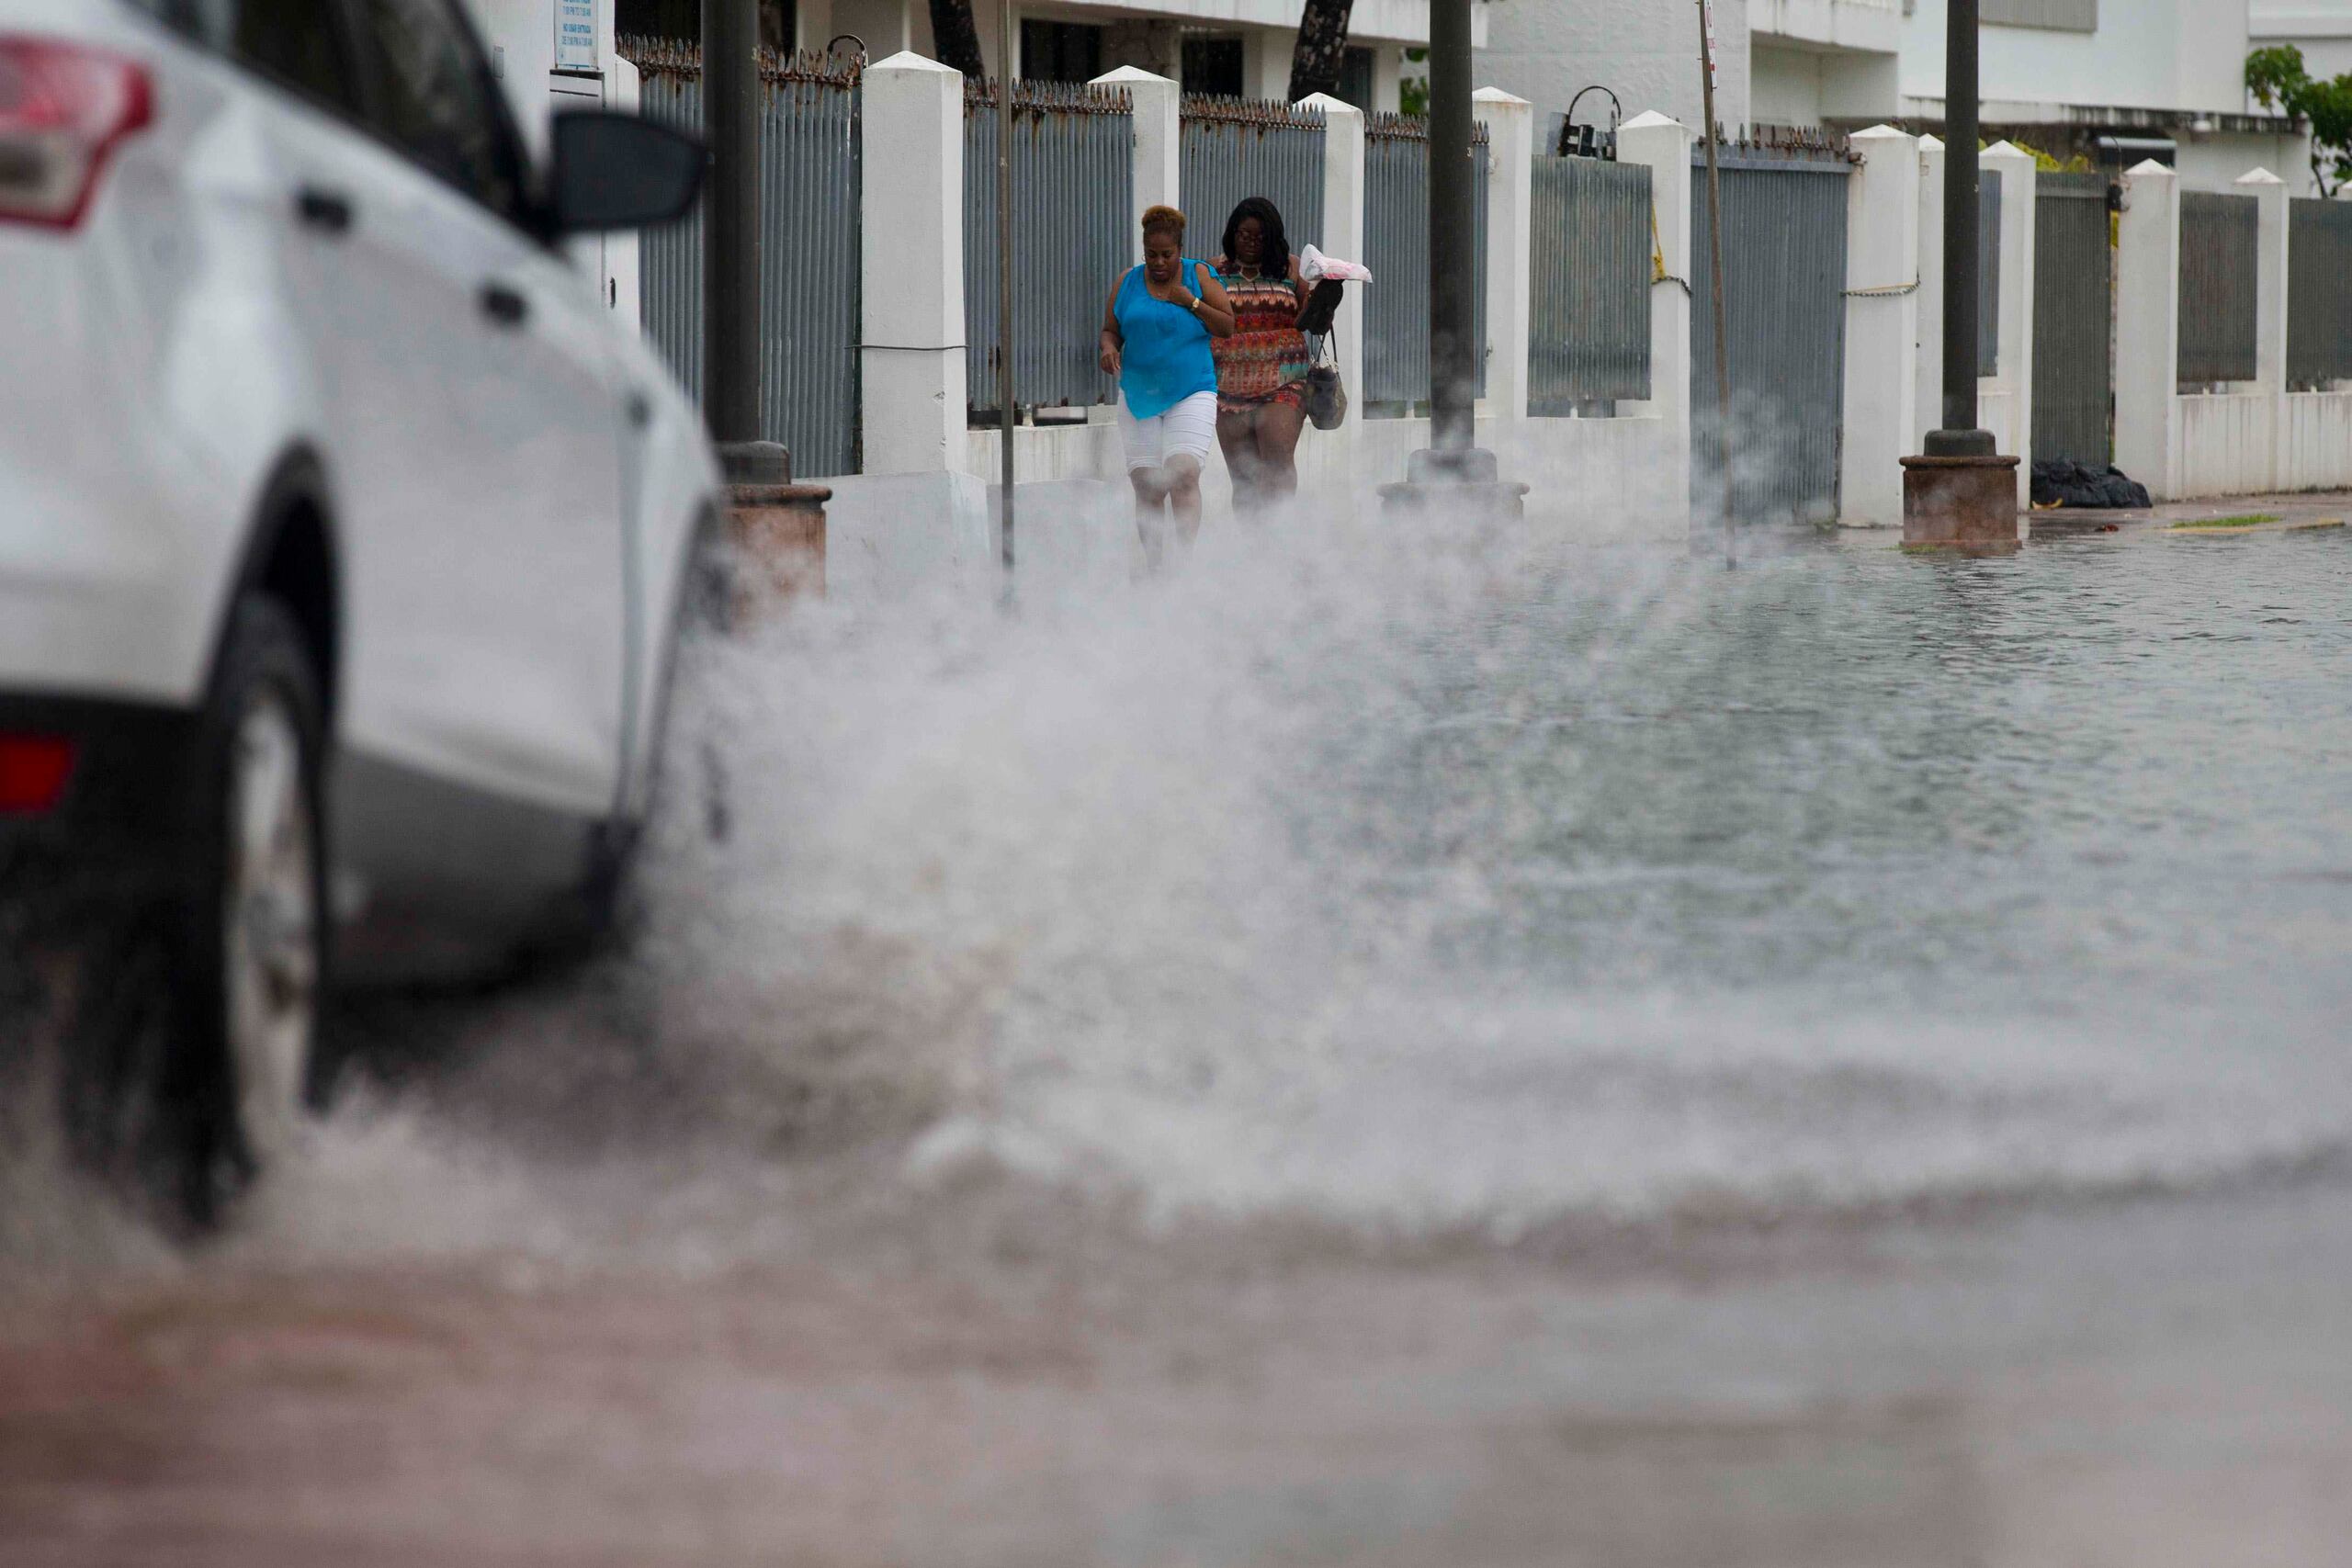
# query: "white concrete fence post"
{"points": [[1883, 278], [911, 354], [1664, 146], [2269, 193], [1510, 199], [1332, 453], [2010, 384], [1928, 400], [1158, 107], [2147, 337]]}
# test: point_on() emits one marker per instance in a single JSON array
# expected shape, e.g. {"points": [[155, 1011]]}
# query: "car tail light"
{"points": [[33, 772], [63, 109]]}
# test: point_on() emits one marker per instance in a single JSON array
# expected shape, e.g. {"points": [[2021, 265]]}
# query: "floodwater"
{"points": [[1392, 1046]]}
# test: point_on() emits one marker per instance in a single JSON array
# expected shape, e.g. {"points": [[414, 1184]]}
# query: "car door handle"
{"points": [[504, 304], [327, 211]]}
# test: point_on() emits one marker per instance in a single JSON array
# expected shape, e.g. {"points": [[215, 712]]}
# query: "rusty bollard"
{"points": [[1966, 501], [776, 531]]}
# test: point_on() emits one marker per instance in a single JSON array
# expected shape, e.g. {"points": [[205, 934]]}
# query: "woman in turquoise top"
{"points": [[1155, 332]]}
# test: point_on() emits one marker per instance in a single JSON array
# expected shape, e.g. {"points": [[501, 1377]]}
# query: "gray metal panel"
{"points": [[1784, 290], [810, 187], [2318, 293], [2074, 320], [2062, 15], [1073, 194], [2218, 240], [1988, 272], [1396, 249], [1588, 319], [1231, 148]]}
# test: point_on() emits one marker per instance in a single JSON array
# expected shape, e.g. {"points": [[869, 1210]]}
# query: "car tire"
{"points": [[198, 1044]]}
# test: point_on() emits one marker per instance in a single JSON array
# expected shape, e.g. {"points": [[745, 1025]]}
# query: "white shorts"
{"points": [[1188, 425]]}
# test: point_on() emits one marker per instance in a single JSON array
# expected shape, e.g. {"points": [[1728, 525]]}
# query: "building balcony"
{"points": [[1866, 27]]}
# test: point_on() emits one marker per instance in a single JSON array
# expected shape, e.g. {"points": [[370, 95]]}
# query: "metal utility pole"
{"points": [[1007, 44], [1960, 178], [1715, 267], [1452, 480], [731, 329], [1960, 493], [1453, 344]]}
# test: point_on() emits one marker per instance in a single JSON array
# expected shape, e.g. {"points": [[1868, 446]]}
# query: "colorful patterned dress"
{"points": [[1265, 360]]}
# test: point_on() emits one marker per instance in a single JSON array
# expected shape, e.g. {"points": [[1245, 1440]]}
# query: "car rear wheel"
{"points": [[270, 919], [253, 960], [196, 1059]]}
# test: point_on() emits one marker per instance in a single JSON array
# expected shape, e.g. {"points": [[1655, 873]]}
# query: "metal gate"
{"points": [[2074, 320], [1231, 148], [2218, 263], [1784, 310], [1588, 321], [1073, 212], [1396, 248], [809, 248], [1988, 272], [2319, 294]]}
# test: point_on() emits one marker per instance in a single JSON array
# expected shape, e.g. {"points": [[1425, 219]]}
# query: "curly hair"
{"points": [[1164, 220], [1273, 259]]}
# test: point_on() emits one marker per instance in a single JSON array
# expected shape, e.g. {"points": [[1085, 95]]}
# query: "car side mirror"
{"points": [[617, 171]]}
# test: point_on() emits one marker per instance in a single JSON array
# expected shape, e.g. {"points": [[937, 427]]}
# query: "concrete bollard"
{"points": [[775, 532], [1966, 502]]}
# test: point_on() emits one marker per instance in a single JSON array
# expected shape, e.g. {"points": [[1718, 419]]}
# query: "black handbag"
{"points": [[1327, 396]]}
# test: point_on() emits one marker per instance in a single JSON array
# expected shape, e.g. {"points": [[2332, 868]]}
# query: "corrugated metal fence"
{"points": [[1073, 194], [1588, 319], [2318, 293], [1396, 248], [1784, 285], [808, 255], [1988, 272], [2073, 320], [1232, 148], [2218, 235]]}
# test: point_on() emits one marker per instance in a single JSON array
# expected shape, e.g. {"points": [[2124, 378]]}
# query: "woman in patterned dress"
{"points": [[1261, 368]]}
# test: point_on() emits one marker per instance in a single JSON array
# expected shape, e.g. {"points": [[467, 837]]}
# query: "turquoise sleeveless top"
{"points": [[1165, 357]]}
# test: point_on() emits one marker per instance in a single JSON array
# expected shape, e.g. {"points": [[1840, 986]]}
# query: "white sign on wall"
{"points": [[575, 35]]}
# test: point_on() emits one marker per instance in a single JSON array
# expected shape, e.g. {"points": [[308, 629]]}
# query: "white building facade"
{"points": [[2321, 29], [2113, 81]]}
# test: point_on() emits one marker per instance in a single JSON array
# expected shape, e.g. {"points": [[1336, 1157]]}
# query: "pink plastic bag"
{"points": [[1315, 266]]}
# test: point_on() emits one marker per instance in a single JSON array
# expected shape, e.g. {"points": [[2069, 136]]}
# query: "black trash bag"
{"points": [[2061, 481]]}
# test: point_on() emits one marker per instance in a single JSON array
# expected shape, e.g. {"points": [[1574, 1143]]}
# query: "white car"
{"points": [[343, 535]]}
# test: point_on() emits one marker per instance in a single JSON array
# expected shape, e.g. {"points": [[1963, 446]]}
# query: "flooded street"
{"points": [[1379, 1050]]}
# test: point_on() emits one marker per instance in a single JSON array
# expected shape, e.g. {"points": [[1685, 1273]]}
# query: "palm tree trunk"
{"points": [[956, 39], [1322, 46]]}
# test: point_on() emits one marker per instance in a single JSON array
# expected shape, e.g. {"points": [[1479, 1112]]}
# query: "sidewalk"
{"points": [[2289, 511]]}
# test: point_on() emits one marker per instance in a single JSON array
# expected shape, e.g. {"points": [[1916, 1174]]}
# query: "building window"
{"points": [[1355, 79], [2062, 15], [1212, 65], [683, 19], [1061, 51]]}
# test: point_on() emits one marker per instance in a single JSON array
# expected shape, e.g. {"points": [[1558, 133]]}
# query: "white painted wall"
{"points": [[1806, 86], [1784, 84], [1544, 51], [2212, 161], [2321, 29], [1871, 25], [2158, 54]]}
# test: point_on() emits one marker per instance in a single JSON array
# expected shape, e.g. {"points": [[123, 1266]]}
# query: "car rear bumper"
{"points": [[114, 839]]}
